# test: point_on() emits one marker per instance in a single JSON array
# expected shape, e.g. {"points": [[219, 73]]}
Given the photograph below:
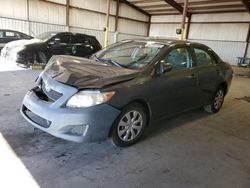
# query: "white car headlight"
{"points": [[17, 49], [89, 98]]}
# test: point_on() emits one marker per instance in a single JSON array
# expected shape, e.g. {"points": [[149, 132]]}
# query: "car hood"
{"points": [[17, 43], [84, 73]]}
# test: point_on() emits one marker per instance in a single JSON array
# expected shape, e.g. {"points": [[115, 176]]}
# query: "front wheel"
{"points": [[217, 101], [40, 58], [129, 126]]}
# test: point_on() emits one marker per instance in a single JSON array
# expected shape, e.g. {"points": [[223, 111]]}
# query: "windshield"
{"points": [[132, 55], [46, 36]]}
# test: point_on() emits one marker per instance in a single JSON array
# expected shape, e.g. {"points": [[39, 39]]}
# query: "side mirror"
{"points": [[57, 41], [184, 64], [165, 66], [51, 43]]}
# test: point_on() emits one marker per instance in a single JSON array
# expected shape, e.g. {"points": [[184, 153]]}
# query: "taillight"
{"points": [[100, 46]]}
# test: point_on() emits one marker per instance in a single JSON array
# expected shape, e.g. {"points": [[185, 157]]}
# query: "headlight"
{"points": [[17, 49], [89, 98]]}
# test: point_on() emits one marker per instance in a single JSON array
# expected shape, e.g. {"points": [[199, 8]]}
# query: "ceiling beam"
{"points": [[195, 3], [219, 11], [247, 4], [201, 8], [177, 6], [200, 12], [134, 7], [144, 1]]}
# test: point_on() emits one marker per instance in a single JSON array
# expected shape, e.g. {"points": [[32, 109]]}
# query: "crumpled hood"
{"points": [[17, 43], [85, 73]]}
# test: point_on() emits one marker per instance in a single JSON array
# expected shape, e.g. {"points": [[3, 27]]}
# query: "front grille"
{"points": [[50, 93], [35, 118]]}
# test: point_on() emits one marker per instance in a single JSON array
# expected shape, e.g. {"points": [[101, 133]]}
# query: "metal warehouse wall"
{"points": [[42, 16], [86, 16], [226, 33]]}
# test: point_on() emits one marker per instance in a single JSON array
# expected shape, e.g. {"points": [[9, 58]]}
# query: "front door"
{"points": [[176, 90], [60, 45]]}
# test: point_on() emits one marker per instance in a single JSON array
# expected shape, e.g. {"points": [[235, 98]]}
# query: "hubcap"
{"points": [[130, 126], [218, 100]]}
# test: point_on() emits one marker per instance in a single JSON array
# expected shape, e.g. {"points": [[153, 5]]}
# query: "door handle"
{"points": [[192, 76]]}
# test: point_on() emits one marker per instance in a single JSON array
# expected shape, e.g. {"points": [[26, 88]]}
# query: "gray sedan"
{"points": [[119, 91]]}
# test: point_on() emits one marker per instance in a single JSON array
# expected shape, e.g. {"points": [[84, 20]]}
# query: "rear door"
{"points": [[208, 71], [176, 90]]}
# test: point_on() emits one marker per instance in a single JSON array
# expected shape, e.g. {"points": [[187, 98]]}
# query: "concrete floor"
{"points": [[194, 149]]}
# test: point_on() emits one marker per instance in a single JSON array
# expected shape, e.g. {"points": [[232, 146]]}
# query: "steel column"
{"points": [[184, 14], [247, 41], [107, 24], [67, 14]]}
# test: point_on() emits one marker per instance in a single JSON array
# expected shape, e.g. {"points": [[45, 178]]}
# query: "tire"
{"points": [[129, 125], [217, 101], [41, 58], [74, 50]]}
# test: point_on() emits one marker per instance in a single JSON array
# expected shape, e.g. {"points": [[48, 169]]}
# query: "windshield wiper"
{"points": [[113, 62], [110, 61], [98, 59]]}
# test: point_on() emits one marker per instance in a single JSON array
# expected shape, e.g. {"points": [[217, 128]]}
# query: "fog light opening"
{"points": [[78, 130]]}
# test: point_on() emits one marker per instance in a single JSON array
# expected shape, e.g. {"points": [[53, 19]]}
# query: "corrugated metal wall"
{"points": [[228, 39], [19, 25], [46, 16], [98, 33]]}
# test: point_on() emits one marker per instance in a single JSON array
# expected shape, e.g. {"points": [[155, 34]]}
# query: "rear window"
{"points": [[203, 57], [79, 39], [92, 40]]}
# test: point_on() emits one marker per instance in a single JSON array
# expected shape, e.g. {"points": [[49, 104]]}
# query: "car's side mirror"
{"points": [[184, 64], [165, 66], [54, 43], [51, 43], [57, 41]]}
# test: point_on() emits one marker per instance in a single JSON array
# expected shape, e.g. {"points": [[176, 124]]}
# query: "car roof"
{"points": [[65, 32], [166, 41], [12, 31]]}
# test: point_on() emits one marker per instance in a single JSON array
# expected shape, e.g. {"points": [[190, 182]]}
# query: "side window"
{"points": [[1, 34], [202, 57], [23, 36], [79, 39], [62, 39], [179, 58], [10, 34]]}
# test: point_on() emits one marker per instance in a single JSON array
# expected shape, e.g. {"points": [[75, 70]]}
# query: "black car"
{"points": [[121, 89], [10, 35], [43, 47]]}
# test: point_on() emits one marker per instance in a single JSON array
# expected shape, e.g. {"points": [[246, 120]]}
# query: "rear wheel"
{"points": [[217, 101], [129, 126]]}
